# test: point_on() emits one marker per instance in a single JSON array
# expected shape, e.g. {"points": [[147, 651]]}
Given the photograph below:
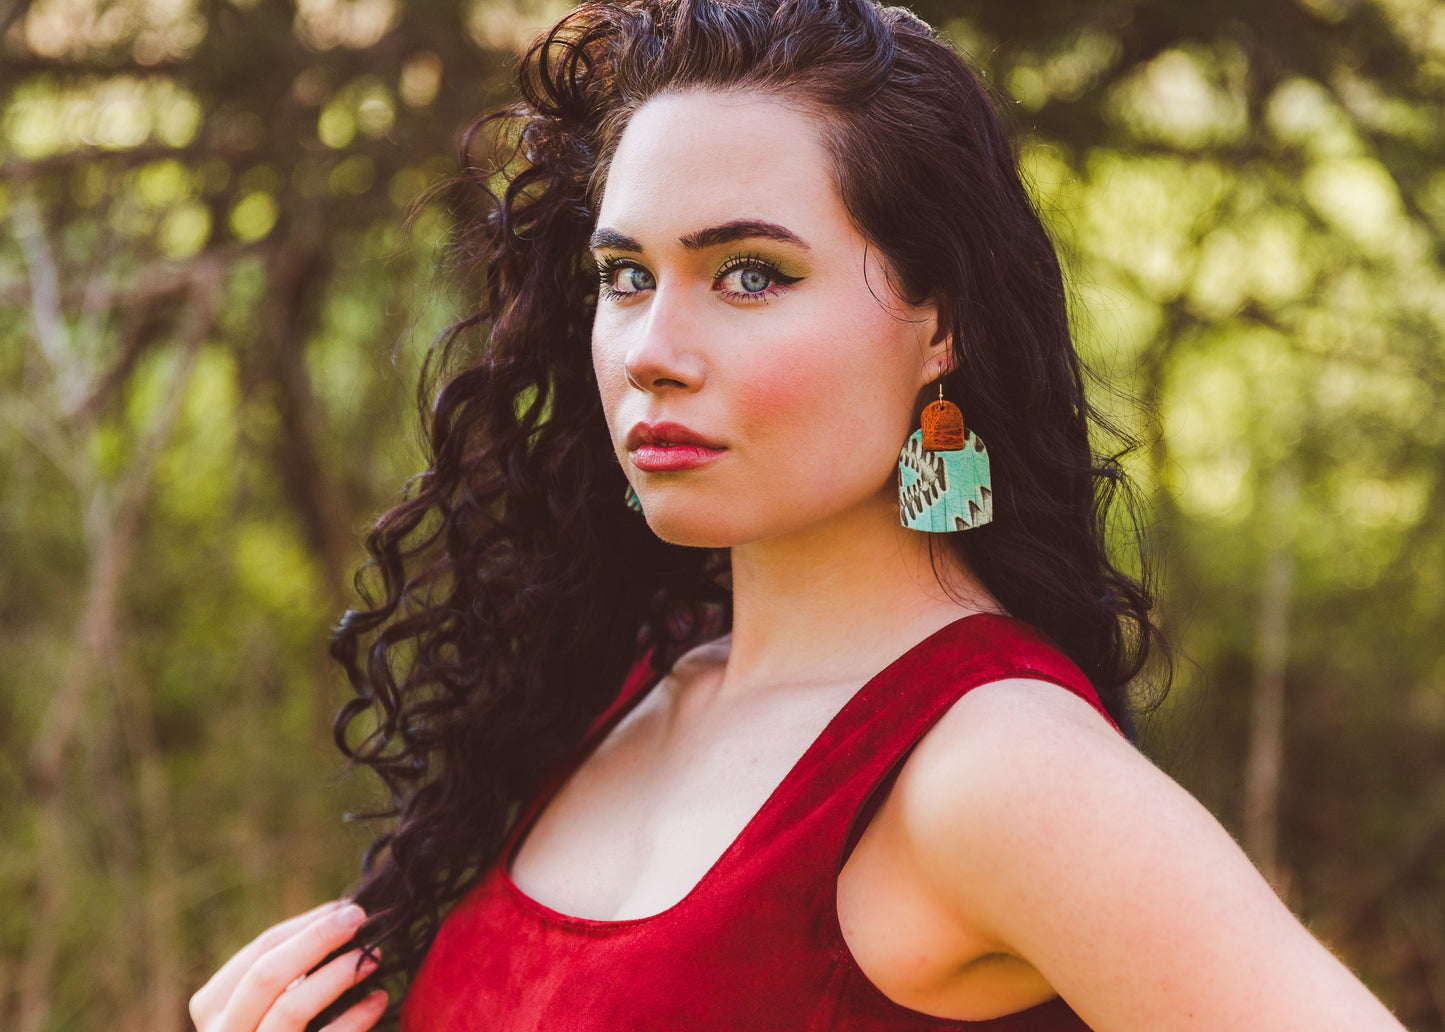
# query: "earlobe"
{"points": [[939, 364], [941, 359]]}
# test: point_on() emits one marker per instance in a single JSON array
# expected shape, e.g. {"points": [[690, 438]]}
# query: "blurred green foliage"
{"points": [[210, 325]]}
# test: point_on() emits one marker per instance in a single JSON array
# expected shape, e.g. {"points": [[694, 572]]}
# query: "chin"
{"points": [[693, 532], [725, 525], [696, 519]]}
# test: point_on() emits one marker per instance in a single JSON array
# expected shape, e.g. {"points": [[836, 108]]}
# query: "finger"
{"points": [[360, 1017], [309, 996], [282, 964], [212, 996]]}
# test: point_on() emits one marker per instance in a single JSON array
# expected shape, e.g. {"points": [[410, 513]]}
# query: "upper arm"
{"points": [[1029, 817]]}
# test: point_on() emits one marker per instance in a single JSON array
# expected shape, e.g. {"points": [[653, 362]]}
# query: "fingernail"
{"points": [[349, 917], [377, 999]]}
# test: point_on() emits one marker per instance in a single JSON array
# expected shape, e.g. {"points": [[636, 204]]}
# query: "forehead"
{"points": [[706, 155]]}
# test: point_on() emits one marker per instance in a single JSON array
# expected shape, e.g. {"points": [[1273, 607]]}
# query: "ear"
{"points": [[940, 359]]}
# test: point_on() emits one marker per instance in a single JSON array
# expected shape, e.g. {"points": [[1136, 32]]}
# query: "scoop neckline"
{"points": [[539, 806]]}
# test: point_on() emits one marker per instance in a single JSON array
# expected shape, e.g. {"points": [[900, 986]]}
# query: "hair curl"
{"points": [[513, 589]]}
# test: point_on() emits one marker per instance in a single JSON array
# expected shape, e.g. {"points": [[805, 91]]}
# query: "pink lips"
{"points": [[663, 447]]}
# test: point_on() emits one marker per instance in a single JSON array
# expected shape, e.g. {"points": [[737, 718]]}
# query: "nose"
{"points": [[662, 356]]}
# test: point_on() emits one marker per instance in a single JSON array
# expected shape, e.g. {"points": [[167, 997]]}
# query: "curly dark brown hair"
{"points": [[510, 590]]}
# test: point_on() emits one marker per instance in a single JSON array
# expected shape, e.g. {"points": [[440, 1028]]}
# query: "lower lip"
{"points": [[655, 458]]}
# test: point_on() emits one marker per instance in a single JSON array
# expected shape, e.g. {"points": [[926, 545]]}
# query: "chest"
{"points": [[663, 798], [670, 797]]}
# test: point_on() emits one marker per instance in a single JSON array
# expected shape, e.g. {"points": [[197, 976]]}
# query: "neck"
{"points": [[840, 600]]}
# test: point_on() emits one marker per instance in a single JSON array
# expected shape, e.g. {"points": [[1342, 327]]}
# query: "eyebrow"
{"points": [[713, 236]]}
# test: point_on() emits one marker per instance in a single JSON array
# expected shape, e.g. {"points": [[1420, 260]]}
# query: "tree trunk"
{"points": [[1265, 765]]}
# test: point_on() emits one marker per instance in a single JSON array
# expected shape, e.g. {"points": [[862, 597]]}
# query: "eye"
{"points": [[621, 278], [748, 278], [631, 278]]}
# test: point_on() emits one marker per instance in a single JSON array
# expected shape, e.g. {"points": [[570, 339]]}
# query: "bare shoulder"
{"points": [[1026, 813], [1018, 778], [1017, 747], [1029, 706]]}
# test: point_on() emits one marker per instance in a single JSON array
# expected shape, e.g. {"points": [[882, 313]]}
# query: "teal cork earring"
{"points": [[943, 475], [633, 502]]}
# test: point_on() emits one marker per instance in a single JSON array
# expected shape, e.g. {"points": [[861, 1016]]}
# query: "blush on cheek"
{"points": [[818, 439], [844, 380], [804, 383], [771, 402]]}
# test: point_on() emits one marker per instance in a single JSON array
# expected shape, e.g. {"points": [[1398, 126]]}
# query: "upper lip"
{"points": [[665, 433]]}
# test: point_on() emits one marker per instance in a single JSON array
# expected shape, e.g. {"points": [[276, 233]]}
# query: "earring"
{"points": [[943, 474], [633, 502]]}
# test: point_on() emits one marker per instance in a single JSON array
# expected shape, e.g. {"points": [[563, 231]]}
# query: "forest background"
{"points": [[211, 320]]}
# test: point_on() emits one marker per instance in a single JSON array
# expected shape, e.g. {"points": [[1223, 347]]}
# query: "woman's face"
{"points": [[739, 302]]}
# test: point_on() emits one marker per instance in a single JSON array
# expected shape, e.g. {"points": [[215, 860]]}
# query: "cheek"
{"points": [[608, 367], [770, 398], [829, 415]]}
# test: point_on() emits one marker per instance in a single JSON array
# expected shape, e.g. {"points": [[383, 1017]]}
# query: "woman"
{"points": [[864, 769]]}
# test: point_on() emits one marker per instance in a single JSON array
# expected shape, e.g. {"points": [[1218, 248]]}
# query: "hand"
{"points": [[265, 987]]}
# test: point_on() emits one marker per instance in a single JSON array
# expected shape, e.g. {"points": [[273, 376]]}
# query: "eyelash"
{"points": [[606, 267]]}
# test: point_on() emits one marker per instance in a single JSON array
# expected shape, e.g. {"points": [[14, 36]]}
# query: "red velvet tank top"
{"points": [[755, 946]]}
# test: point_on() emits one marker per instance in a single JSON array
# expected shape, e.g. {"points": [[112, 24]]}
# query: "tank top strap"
{"points": [[635, 685], [842, 780]]}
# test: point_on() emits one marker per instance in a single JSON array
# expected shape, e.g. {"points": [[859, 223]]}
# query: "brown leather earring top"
{"points": [[942, 426]]}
